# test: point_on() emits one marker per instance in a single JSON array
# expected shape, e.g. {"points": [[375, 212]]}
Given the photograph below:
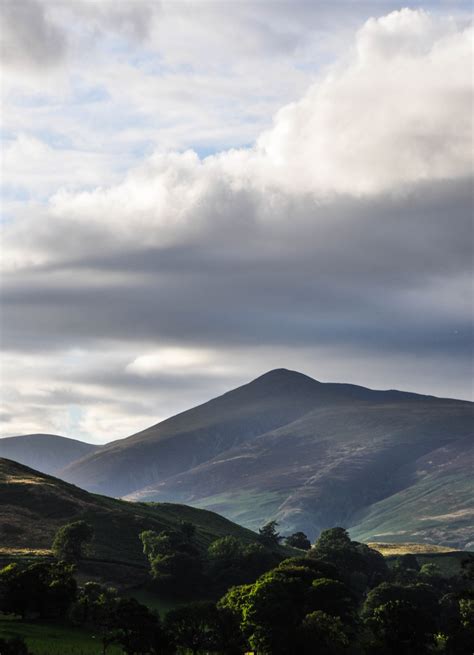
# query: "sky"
{"points": [[195, 193]]}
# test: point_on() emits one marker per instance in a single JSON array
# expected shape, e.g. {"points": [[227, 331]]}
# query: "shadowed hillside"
{"points": [[34, 505], [310, 454], [44, 452]]}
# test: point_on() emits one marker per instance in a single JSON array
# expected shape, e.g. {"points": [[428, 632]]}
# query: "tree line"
{"points": [[337, 597]]}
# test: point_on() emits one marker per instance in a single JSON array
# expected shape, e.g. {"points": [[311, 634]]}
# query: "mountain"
{"points": [[34, 505], [45, 452], [309, 454], [199, 434], [438, 505]]}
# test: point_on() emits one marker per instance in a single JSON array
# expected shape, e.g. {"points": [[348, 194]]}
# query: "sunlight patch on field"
{"points": [[405, 549], [20, 552]]}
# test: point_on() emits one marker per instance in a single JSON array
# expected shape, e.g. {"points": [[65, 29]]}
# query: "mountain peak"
{"points": [[284, 375]]}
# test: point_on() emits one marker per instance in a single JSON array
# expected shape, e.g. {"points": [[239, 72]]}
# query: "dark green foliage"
{"points": [[298, 540], [419, 594], [70, 541], [117, 620], [401, 627], [320, 603], [312, 605], [271, 609], [323, 630], [40, 589], [403, 619], [269, 535], [334, 598], [176, 564], [179, 568], [320, 568], [360, 567], [233, 562], [467, 566], [202, 627], [97, 608], [188, 530], [137, 630], [405, 569], [457, 622]]}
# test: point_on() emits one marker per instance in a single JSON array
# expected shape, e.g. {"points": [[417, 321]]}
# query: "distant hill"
{"points": [[34, 505], [309, 454], [45, 452]]}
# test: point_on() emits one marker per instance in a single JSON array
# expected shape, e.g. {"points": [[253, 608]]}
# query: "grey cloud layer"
{"points": [[339, 243], [359, 272]]}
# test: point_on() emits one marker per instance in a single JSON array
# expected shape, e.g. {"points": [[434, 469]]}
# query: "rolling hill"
{"points": [[309, 454], [47, 453], [34, 505]]}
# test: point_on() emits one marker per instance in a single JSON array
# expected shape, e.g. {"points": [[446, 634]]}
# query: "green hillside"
{"points": [[34, 505], [335, 465], [438, 507]]}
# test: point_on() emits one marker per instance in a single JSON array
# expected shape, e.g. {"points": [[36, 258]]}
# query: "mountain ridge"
{"points": [[309, 454], [284, 446], [47, 453]]}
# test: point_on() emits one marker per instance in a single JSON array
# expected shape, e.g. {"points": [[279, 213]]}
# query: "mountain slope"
{"points": [[45, 452], [34, 505], [324, 468], [195, 436], [284, 446], [439, 505]]}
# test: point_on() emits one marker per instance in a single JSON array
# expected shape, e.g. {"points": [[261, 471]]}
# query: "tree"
{"points": [[70, 541], [332, 539], [298, 540], [432, 575], [40, 589], [100, 612], [401, 628], [233, 562], [269, 535], [334, 598], [137, 630], [457, 623], [175, 564], [403, 618], [322, 633], [319, 568], [421, 595], [270, 610], [194, 627], [359, 566], [405, 569], [119, 620]]}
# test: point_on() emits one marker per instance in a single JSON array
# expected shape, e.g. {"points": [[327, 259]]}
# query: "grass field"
{"points": [[51, 639], [408, 548], [447, 559]]}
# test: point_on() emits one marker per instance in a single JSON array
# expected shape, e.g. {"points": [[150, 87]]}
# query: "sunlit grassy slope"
{"points": [[34, 505]]}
